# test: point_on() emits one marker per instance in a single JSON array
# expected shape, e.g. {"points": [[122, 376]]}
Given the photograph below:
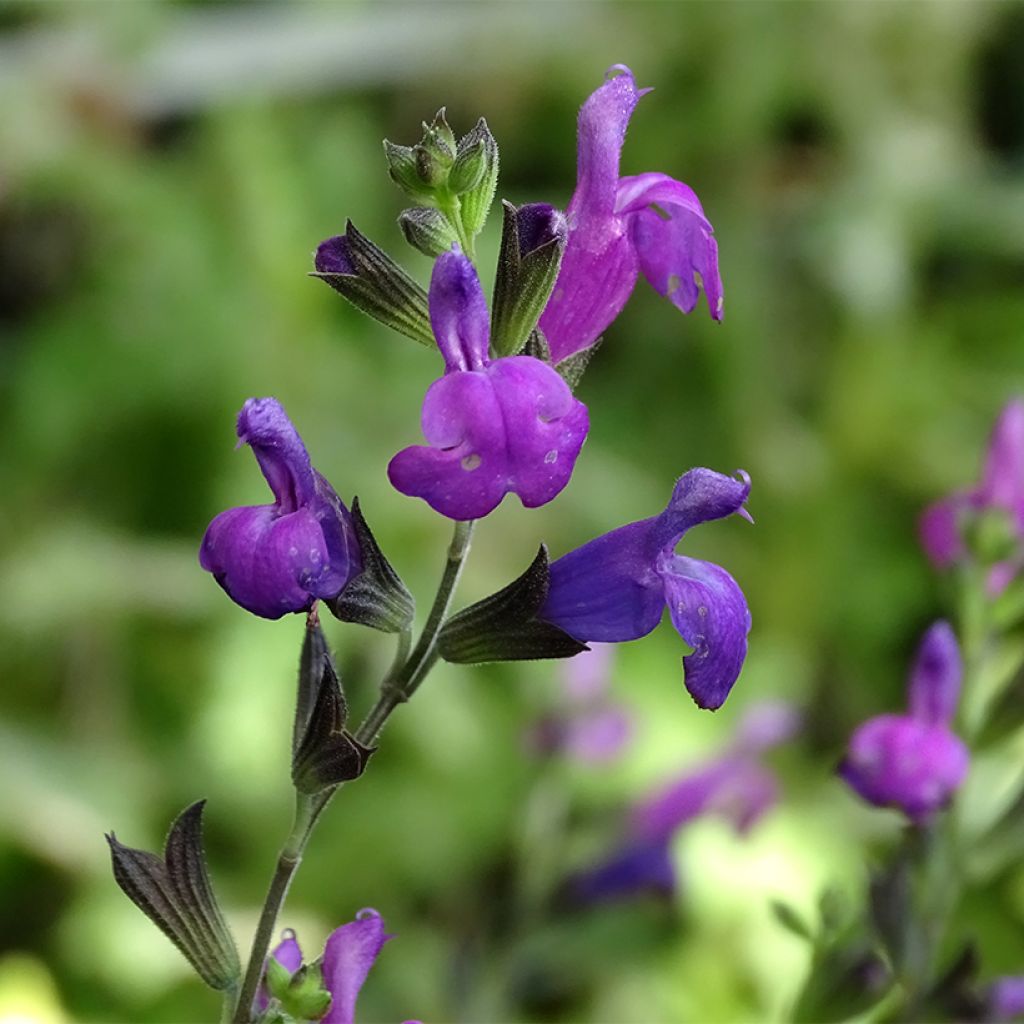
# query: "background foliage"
{"points": [[165, 172]]}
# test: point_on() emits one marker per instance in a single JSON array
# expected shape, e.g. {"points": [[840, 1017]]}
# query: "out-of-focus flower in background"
{"points": [[987, 519], [737, 786], [914, 762]]}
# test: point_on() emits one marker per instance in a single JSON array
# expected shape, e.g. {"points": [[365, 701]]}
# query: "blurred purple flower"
{"points": [[619, 227], [349, 953], [1006, 998], [615, 588], [914, 762], [590, 727], [279, 558], [1002, 487], [736, 786], [492, 426]]}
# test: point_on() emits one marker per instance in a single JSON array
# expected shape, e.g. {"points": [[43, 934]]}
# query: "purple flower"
{"points": [[736, 786], [615, 588], [591, 727], [621, 226], [1006, 998], [914, 762], [492, 425], [273, 559], [349, 953], [1002, 487]]}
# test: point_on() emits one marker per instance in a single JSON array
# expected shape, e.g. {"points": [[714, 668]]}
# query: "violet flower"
{"points": [[616, 587], [349, 953], [914, 762], [736, 786], [492, 425], [590, 727], [942, 524], [619, 227], [1005, 998], [279, 558]]}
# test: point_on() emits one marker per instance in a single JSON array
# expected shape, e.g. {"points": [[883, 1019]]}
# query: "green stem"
{"points": [[452, 209], [407, 680], [287, 863], [230, 996]]}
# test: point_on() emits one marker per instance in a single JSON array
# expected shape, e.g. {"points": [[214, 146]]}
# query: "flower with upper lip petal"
{"points": [[914, 762], [492, 425], [619, 227], [349, 953], [942, 525], [616, 587], [279, 558]]}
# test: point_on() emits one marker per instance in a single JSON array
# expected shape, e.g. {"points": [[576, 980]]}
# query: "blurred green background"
{"points": [[166, 171]]}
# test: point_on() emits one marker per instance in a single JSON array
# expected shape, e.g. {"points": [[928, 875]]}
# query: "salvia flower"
{"points": [[1005, 998], [944, 524], [616, 587], [349, 953], [279, 558], [619, 227], [914, 762], [590, 727], [493, 426], [736, 786]]}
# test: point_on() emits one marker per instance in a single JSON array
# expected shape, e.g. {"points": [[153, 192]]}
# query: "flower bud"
{"points": [[427, 230]]}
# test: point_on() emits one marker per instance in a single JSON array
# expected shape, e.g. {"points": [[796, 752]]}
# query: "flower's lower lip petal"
{"points": [[673, 252], [710, 613], [511, 427], [349, 954], [545, 425], [606, 589], [637, 192], [267, 563]]}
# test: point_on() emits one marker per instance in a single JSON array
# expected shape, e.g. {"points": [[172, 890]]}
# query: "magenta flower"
{"points": [[619, 227], [349, 953], [943, 524], [736, 786], [492, 425], [914, 762], [590, 727], [616, 587], [279, 558], [1005, 998]]}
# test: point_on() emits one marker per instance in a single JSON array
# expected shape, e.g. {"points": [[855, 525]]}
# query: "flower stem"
{"points": [[400, 687], [402, 680], [287, 863]]}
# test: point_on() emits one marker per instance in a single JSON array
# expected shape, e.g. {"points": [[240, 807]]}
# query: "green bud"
{"points": [[991, 535], [427, 230], [277, 978], [306, 998], [404, 171], [476, 202], [468, 170], [441, 127]]}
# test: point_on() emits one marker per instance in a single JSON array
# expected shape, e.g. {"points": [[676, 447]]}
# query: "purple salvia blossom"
{"points": [[492, 425], [289, 955], [349, 953], [591, 727], [1002, 487], [279, 558], [914, 762], [616, 587], [619, 227], [736, 786], [1005, 998]]}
